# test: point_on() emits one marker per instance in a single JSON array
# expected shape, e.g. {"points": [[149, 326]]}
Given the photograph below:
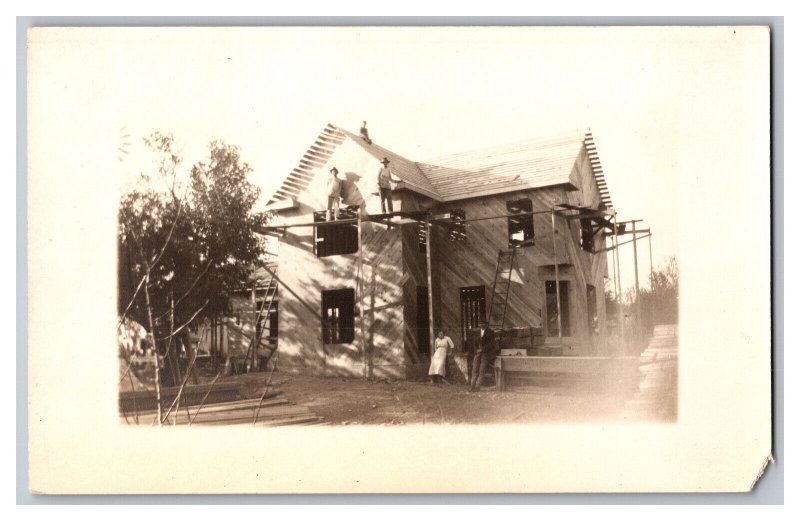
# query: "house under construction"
{"points": [[513, 234]]}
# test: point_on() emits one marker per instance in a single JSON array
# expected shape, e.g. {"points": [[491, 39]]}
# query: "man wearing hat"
{"points": [[484, 356], [385, 186], [334, 193]]}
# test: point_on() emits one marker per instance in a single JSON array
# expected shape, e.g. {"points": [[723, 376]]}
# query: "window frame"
{"points": [[587, 235], [338, 329], [521, 224], [336, 239]]}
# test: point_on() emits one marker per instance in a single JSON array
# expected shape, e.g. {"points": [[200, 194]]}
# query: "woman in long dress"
{"points": [[439, 358]]}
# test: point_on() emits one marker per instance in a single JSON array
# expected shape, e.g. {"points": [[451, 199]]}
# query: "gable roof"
{"points": [[403, 168], [316, 156], [532, 163]]}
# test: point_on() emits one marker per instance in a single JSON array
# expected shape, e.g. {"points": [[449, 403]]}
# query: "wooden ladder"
{"points": [[501, 288], [269, 296]]}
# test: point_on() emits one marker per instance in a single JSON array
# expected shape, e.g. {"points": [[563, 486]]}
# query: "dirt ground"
{"points": [[354, 401]]}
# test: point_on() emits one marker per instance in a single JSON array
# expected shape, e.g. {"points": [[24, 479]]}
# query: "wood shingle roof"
{"points": [[533, 163]]}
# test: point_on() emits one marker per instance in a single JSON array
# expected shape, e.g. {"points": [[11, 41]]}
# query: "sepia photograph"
{"points": [[391, 244]]}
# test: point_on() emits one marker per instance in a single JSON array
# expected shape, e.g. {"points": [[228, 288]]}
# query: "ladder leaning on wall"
{"points": [[269, 298], [501, 288]]}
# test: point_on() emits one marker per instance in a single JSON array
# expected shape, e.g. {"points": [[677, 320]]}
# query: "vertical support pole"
{"points": [[614, 258], [360, 284], [555, 264], [429, 246], [638, 306], [255, 323], [652, 299], [650, 248], [618, 277]]}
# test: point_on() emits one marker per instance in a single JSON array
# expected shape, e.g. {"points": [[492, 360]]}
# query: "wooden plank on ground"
{"points": [[233, 416]]}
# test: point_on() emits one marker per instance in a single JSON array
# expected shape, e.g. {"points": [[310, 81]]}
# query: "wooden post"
{"points": [[635, 265], [360, 285], [618, 277], [252, 362], [429, 240], [650, 248], [638, 306], [555, 263], [652, 300]]}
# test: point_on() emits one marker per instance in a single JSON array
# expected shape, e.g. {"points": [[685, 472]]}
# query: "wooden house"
{"points": [[357, 295]]}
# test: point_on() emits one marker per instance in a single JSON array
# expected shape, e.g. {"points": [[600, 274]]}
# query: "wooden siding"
{"points": [[415, 276], [385, 282], [394, 267], [473, 262]]}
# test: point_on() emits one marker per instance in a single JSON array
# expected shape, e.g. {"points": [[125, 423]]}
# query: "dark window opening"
{"points": [[591, 309], [552, 307], [520, 228], [587, 235], [457, 230], [338, 316], [473, 310], [423, 321], [268, 322], [336, 239]]}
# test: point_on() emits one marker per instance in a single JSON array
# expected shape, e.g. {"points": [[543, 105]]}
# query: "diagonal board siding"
{"points": [[473, 262], [317, 155], [382, 312]]}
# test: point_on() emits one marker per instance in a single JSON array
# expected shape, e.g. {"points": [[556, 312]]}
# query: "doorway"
{"points": [[473, 310]]}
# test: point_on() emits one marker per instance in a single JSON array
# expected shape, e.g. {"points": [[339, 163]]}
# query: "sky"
{"points": [[651, 96]]}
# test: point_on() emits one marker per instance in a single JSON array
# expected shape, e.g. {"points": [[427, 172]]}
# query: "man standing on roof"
{"points": [[365, 134], [385, 186], [334, 194]]}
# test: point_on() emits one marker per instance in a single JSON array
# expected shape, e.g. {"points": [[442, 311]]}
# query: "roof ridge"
{"points": [[543, 138]]}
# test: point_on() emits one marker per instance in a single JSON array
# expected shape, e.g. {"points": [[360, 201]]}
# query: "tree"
{"points": [[185, 244], [659, 303]]}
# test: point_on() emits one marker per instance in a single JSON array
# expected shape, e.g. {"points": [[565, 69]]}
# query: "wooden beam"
{"points": [[360, 285], [428, 238], [589, 215], [555, 263], [635, 231], [621, 244]]}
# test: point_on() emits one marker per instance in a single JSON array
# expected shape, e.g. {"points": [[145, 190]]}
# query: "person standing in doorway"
{"points": [[334, 193], [439, 358], [484, 356], [385, 186]]}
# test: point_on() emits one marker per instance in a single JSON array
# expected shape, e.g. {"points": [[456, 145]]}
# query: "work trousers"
{"points": [[386, 199], [333, 204], [479, 367]]}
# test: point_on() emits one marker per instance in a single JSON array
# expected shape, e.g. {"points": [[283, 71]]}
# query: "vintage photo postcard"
{"points": [[398, 259]]}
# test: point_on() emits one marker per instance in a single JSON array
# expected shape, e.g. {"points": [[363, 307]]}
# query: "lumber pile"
{"points": [[224, 404], [657, 396]]}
